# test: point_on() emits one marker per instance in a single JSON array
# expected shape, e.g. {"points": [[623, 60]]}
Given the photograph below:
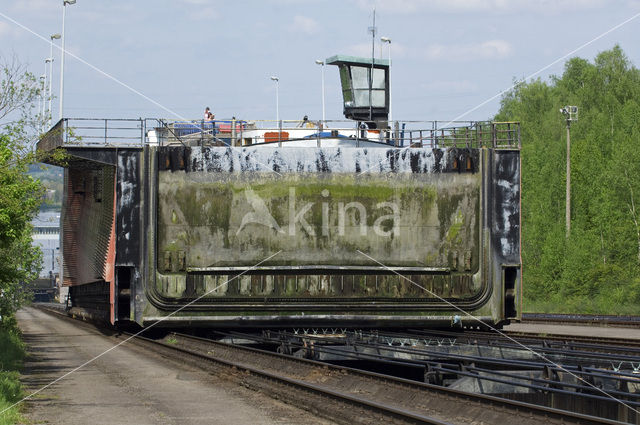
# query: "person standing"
{"points": [[208, 115]]}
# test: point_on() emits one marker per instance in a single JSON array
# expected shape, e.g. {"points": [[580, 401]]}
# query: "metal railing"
{"points": [[91, 132], [95, 132]]}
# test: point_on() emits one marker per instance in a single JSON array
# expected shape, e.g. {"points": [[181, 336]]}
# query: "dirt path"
{"points": [[128, 386]]}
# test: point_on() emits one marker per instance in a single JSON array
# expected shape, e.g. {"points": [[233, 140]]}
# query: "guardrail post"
{"points": [[233, 131], [105, 131], [396, 133], [202, 133]]}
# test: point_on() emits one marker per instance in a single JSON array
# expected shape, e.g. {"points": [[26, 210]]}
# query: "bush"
{"points": [[11, 356]]}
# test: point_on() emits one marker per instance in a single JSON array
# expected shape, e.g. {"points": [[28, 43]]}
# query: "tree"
{"points": [[597, 268], [20, 194]]}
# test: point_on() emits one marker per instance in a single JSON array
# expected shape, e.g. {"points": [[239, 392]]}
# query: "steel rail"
{"points": [[453, 402], [581, 353], [381, 412], [583, 319], [611, 344], [589, 371], [428, 351], [362, 403], [442, 358], [415, 390]]}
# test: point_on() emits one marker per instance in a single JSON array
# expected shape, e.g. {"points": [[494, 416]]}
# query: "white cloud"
{"points": [[4, 28], [38, 7], [499, 6], [9, 30], [491, 49], [304, 24], [364, 50], [204, 15], [198, 10], [197, 2], [451, 86]]}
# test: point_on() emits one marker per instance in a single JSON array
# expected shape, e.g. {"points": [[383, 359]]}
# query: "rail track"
{"points": [[586, 381], [583, 319], [348, 395], [377, 394], [568, 342]]}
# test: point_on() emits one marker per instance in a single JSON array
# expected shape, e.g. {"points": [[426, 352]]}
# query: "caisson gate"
{"points": [[231, 223]]}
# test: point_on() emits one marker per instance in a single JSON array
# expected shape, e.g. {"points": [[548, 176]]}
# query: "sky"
{"points": [[173, 58]]}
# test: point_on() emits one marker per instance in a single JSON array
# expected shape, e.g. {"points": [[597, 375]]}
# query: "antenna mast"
{"points": [[372, 30]]}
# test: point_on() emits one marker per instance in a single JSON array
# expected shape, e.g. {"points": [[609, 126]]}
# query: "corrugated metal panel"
{"points": [[88, 224]]}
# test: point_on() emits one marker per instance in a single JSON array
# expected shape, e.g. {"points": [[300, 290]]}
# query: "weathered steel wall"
{"points": [[505, 224], [220, 208], [128, 207]]}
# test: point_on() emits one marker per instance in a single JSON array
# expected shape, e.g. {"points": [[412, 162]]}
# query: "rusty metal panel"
{"points": [[53, 139], [87, 227]]}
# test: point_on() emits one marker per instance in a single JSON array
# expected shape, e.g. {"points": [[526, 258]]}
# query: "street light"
{"points": [[46, 109], [64, 12], [52, 37], [319, 62], [388, 40], [277, 80], [42, 102], [571, 114]]}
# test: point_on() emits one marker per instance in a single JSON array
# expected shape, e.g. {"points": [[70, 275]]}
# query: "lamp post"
{"points": [[571, 114], [64, 12], [319, 62], [46, 107], [43, 99], [388, 40], [277, 80], [52, 37]]}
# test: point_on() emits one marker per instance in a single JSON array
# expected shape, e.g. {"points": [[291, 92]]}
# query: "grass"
{"points": [[11, 356]]}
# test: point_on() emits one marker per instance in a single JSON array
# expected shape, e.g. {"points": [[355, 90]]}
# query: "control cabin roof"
{"points": [[357, 61]]}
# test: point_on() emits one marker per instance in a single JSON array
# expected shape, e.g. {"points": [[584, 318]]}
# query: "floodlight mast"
{"points": [[388, 40], [571, 114], [372, 30], [321, 63], [65, 3], [52, 37], [277, 80]]}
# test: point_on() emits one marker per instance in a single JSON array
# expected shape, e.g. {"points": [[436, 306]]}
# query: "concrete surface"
{"points": [[129, 386], [595, 331]]}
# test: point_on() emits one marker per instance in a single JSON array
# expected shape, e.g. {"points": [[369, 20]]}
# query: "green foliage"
{"points": [[11, 357], [20, 198], [20, 194], [12, 348], [52, 179], [597, 269]]}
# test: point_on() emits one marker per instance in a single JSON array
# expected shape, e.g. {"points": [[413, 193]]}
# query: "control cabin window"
{"points": [[355, 84]]}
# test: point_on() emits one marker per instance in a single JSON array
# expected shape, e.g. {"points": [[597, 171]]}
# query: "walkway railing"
{"points": [[91, 132]]}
